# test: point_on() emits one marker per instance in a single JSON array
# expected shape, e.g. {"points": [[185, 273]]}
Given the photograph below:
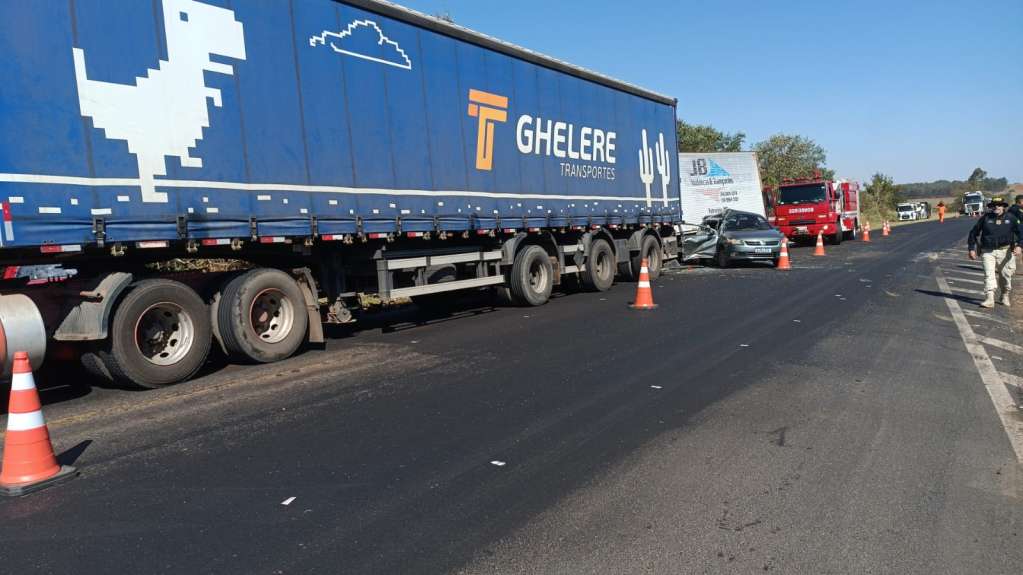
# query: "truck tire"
{"points": [[837, 238], [262, 316], [160, 335], [532, 277], [651, 250], [600, 267]]}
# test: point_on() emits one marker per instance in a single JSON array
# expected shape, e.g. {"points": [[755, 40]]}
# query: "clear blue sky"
{"points": [[919, 90]]}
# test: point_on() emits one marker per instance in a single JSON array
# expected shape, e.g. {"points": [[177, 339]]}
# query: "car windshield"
{"points": [[973, 198], [746, 222], [801, 194], [906, 208]]}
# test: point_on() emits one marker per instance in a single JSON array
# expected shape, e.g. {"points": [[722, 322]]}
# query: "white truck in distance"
{"points": [[908, 211]]}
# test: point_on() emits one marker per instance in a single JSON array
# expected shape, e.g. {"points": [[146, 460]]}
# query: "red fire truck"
{"points": [[805, 207]]}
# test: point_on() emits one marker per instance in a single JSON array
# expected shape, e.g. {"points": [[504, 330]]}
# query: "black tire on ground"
{"points": [[722, 257], [837, 238], [262, 316], [160, 335], [651, 250], [625, 270], [776, 261], [532, 277], [505, 297], [600, 267]]}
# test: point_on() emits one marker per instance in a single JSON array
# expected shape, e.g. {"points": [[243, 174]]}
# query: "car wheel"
{"points": [[722, 257]]}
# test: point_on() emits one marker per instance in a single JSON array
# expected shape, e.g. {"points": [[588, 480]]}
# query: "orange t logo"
{"points": [[489, 108]]}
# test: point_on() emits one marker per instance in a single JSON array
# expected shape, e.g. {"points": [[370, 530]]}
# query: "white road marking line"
{"points": [[287, 501], [656, 386], [1004, 345], [966, 273], [983, 315], [965, 290], [1013, 380], [964, 280], [498, 463], [1000, 397]]}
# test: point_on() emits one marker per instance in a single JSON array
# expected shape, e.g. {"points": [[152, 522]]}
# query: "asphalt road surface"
{"points": [[858, 414]]}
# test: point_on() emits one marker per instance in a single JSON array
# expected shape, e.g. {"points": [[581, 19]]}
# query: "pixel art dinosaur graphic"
{"points": [[164, 113]]}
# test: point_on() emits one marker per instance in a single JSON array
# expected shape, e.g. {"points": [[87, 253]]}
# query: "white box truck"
{"points": [[713, 182]]}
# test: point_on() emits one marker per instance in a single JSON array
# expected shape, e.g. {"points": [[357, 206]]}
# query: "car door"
{"points": [[703, 243]]}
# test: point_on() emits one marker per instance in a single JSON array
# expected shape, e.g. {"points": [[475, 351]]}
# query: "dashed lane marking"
{"points": [[983, 315], [1013, 380], [962, 272], [1000, 397], [1001, 344], [965, 290], [964, 280]]}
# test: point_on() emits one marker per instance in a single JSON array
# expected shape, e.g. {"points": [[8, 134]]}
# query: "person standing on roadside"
{"points": [[1000, 236], [1017, 208], [941, 212]]}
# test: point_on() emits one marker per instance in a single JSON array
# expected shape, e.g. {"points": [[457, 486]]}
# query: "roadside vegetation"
{"points": [[792, 156]]}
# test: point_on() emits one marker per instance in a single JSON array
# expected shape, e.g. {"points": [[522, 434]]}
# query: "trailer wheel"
{"points": [[262, 316], [532, 277], [600, 267], [650, 250], [160, 335]]}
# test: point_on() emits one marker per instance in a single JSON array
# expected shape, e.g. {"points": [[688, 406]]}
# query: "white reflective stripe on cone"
{"points": [[644, 284], [22, 382], [25, 421], [643, 270]]}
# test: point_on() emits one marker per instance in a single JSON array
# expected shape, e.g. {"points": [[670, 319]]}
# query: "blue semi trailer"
{"points": [[336, 148]]}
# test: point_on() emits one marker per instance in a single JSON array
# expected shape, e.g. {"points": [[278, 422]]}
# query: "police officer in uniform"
{"points": [[1000, 235], [1017, 208]]}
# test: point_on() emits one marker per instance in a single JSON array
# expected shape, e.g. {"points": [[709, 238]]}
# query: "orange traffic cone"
{"points": [[884, 230], [783, 258], [820, 244], [644, 299], [866, 232], [29, 463]]}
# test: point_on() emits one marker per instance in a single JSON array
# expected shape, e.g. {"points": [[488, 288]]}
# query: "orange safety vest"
{"points": [[941, 210]]}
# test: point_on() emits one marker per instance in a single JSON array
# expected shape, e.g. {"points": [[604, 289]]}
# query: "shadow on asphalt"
{"points": [[959, 298], [70, 456]]}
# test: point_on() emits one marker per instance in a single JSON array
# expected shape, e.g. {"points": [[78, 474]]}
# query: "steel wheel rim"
{"points": [[537, 276], [271, 315], [603, 265], [164, 333]]}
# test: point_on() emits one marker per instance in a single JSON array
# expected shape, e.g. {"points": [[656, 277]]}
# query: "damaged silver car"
{"points": [[732, 236]]}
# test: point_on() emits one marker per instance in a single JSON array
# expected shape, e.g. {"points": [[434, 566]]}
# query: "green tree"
{"points": [[880, 198], [976, 179], [693, 138], [790, 156]]}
